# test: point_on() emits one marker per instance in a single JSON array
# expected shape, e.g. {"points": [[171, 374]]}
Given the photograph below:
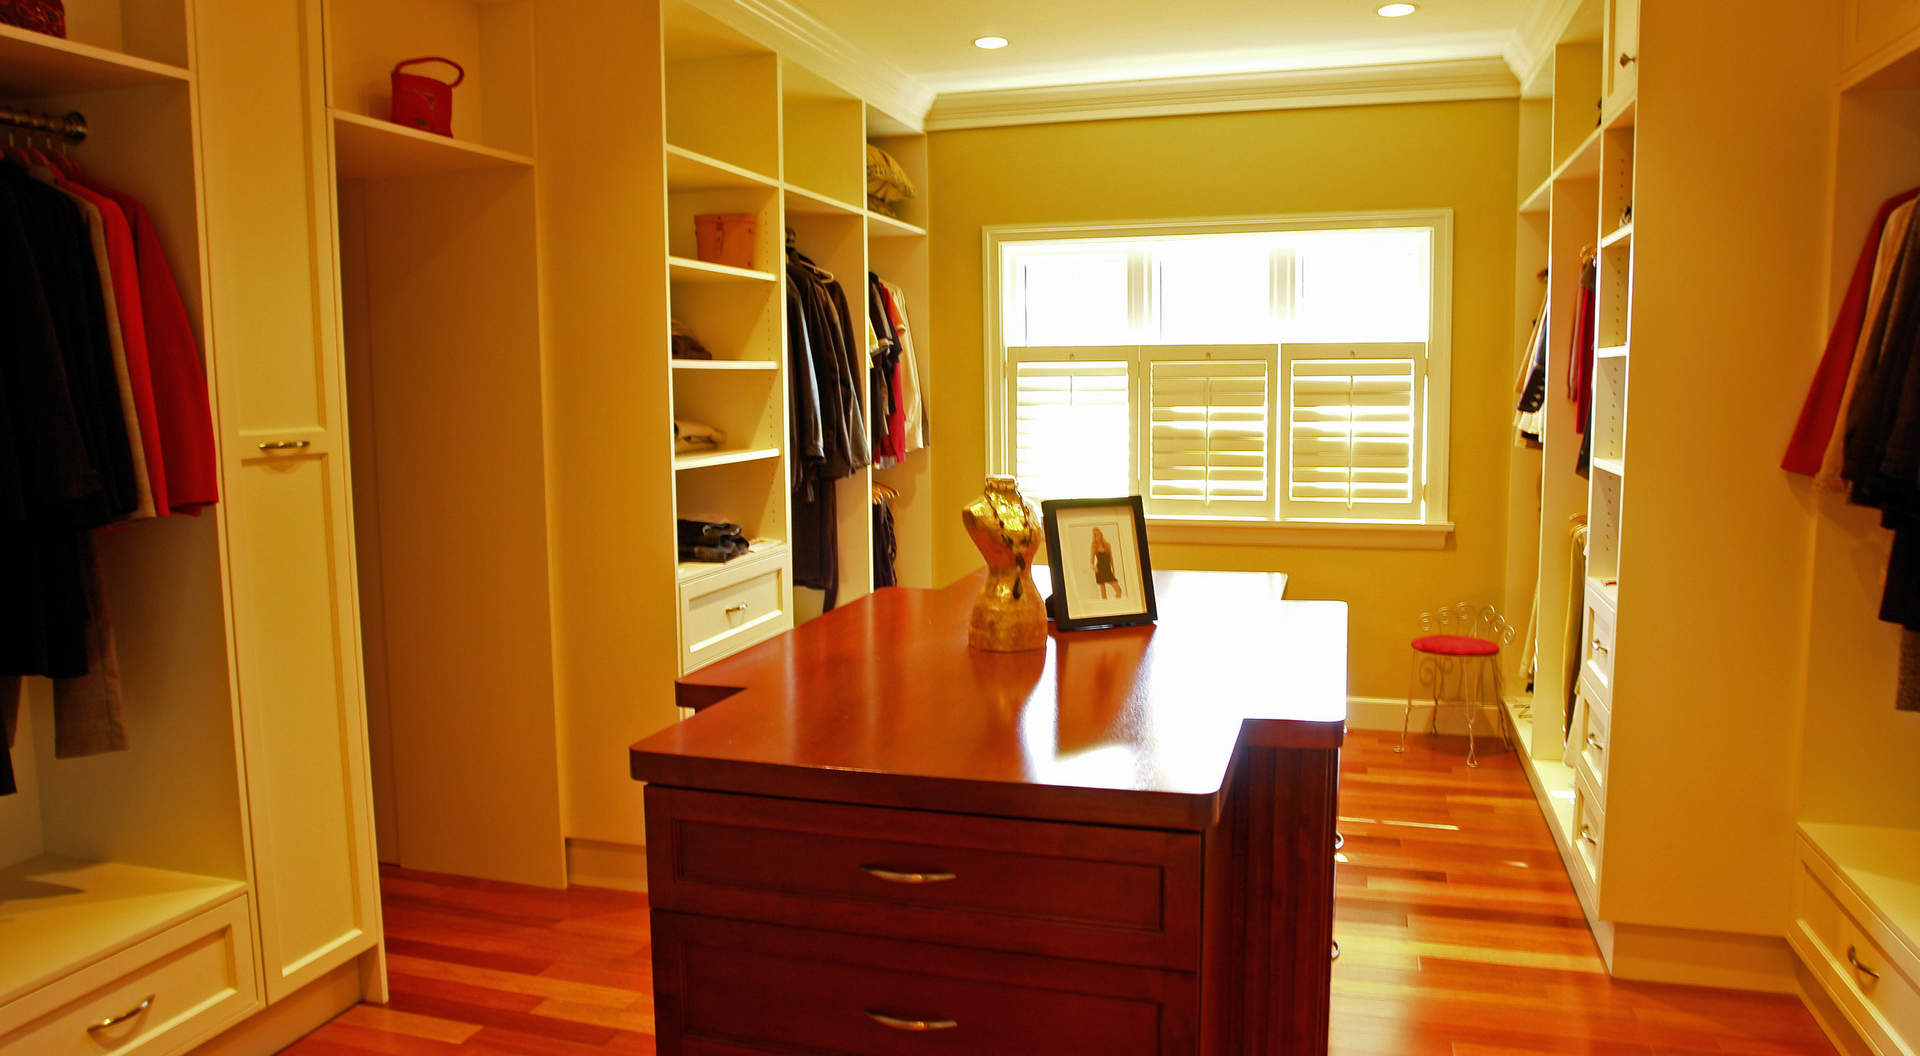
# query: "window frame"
{"points": [[1430, 531]]}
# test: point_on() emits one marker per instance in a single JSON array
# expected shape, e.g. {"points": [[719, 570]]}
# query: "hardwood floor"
{"points": [[1458, 929]]}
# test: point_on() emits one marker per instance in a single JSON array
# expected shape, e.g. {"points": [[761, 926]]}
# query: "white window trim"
{"points": [[1428, 533]]}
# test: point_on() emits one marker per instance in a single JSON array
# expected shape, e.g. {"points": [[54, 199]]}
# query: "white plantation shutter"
{"points": [[1208, 431], [1071, 421], [1353, 423]]}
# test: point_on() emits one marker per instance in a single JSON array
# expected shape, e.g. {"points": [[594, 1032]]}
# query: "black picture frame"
{"points": [[1061, 606]]}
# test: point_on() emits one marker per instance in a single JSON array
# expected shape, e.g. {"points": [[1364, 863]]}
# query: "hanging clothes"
{"points": [[1580, 359], [912, 394], [886, 547], [1529, 415], [831, 430], [1822, 408]]}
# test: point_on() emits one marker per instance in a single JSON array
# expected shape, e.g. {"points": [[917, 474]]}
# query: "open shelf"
{"points": [[725, 364], [1615, 466], [62, 914], [1884, 864], [34, 64], [880, 225], [723, 457], [368, 148], [1610, 352], [811, 203], [691, 571], [1622, 115], [1540, 200], [1623, 233], [686, 269], [1583, 163], [692, 171]]}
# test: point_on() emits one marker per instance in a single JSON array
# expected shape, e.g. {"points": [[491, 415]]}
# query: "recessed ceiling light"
{"points": [[990, 43], [1397, 10]]}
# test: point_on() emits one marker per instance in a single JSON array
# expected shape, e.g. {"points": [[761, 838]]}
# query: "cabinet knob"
{"points": [[284, 445], [1627, 60]]}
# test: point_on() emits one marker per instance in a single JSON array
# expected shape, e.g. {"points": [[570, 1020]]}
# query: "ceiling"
{"points": [[1059, 42]]}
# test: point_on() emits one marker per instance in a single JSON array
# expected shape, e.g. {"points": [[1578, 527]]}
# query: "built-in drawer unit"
{"points": [[158, 997], [1596, 648], [1845, 945], [1589, 831], [1593, 726], [1127, 896], [731, 988], [733, 607]]}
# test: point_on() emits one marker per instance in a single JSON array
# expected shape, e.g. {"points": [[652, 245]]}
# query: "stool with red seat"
{"points": [[1461, 644]]}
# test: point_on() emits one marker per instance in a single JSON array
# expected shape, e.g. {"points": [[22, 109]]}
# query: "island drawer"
{"points": [[1126, 896], [730, 987]]}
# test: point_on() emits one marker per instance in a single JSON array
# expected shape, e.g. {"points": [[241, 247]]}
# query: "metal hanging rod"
{"points": [[72, 127]]}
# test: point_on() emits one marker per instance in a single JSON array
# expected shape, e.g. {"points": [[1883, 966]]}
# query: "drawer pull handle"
{"points": [[893, 877], [1627, 60], [1594, 743], [1853, 959], [735, 609], [1586, 834], [911, 1026], [284, 445], [113, 1021], [1598, 649], [1336, 949]]}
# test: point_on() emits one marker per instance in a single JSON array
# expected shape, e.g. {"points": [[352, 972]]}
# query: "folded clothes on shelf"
{"points": [[696, 436], [711, 541]]}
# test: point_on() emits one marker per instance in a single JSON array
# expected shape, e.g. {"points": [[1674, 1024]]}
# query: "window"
{"points": [[1234, 372]]}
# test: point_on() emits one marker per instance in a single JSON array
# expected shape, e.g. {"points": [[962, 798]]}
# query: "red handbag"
{"points": [[41, 16], [422, 102]]}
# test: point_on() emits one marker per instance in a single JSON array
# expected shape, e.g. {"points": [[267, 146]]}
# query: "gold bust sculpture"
{"points": [[1009, 616]]}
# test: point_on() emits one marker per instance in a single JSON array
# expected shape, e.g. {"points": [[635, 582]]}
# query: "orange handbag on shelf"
{"points": [[422, 102]]}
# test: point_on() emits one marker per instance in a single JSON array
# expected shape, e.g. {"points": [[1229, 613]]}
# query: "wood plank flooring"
{"points": [[1458, 929]]}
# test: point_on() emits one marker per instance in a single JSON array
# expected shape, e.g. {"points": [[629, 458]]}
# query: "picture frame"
{"points": [[1102, 571]]}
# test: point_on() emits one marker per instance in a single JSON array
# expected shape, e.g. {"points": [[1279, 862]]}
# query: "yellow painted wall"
{"points": [[1460, 156]]}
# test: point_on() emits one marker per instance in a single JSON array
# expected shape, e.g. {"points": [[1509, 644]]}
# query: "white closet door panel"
{"points": [[296, 635]]}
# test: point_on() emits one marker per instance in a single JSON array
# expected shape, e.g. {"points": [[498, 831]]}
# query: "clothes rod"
{"points": [[72, 127]]}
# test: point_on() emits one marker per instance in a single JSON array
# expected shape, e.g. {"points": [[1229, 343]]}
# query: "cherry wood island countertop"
{"points": [[881, 702]]}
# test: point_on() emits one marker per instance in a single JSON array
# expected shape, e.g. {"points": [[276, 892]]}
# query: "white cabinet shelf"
{"points": [[1615, 466], [694, 571], [686, 269], [1623, 233], [709, 459], [368, 148], [880, 225], [34, 64], [697, 365], [689, 170], [812, 203], [61, 914]]}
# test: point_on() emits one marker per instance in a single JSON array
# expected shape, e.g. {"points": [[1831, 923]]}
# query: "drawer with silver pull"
{"points": [[733, 607], [727, 986], [1111, 894], [1840, 938], [1593, 729], [1589, 831], [161, 996], [1596, 650]]}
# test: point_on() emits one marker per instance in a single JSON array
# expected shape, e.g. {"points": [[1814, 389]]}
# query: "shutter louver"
{"points": [[1209, 435], [1352, 418], [1070, 427]]}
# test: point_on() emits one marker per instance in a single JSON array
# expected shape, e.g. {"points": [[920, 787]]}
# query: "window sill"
{"points": [[1355, 535]]}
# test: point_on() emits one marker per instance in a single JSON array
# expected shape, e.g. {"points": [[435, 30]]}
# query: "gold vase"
{"points": [[1009, 616]]}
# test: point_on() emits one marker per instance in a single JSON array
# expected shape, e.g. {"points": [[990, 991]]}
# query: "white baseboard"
{"points": [[1387, 713], [593, 863]]}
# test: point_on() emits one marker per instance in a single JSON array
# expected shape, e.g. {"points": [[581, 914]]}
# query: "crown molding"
{"points": [[1529, 53], [1413, 82], [783, 26]]}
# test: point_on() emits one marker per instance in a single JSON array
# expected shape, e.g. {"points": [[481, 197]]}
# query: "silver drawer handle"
{"points": [[1595, 744], [1598, 649], [284, 445], [1854, 960], [911, 1026], [1336, 949], [892, 877], [1586, 834], [733, 609], [114, 1021]]}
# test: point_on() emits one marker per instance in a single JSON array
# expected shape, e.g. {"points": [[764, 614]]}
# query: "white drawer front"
{"points": [[1596, 650], [1591, 735], [1589, 830], [725, 613], [1843, 954], [199, 976]]}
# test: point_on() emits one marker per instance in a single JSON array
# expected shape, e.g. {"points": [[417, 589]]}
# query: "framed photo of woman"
{"points": [[1102, 576]]}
